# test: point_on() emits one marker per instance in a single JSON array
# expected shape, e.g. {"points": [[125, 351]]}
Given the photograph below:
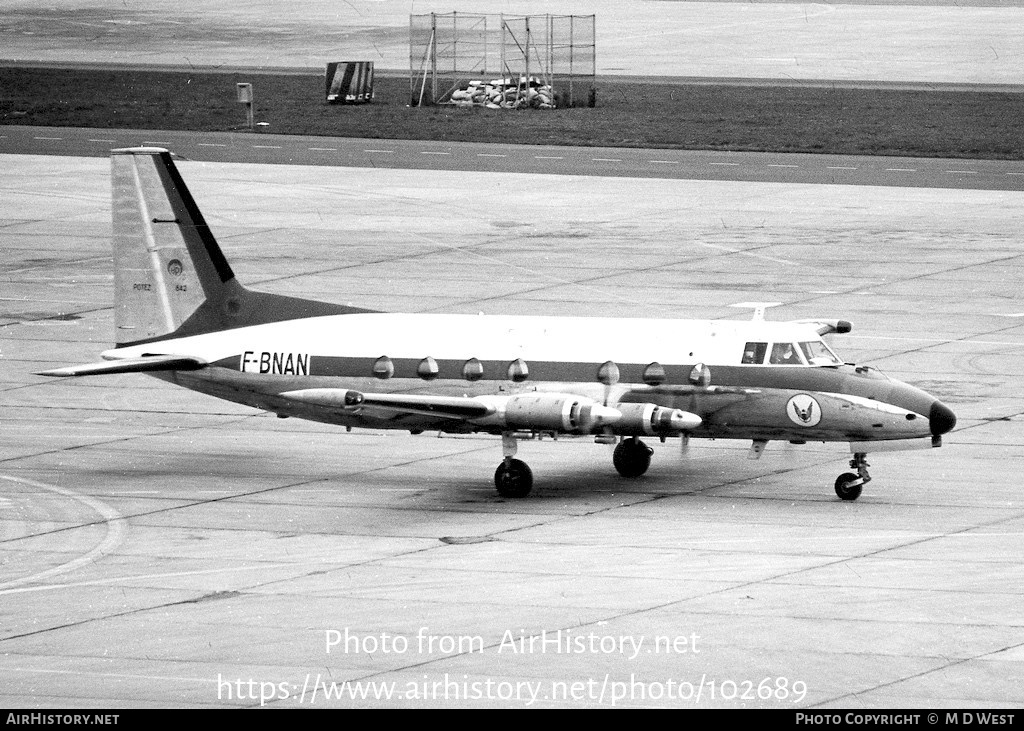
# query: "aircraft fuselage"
{"points": [[477, 356]]}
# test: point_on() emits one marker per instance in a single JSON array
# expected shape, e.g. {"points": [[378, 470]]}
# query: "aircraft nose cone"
{"points": [[941, 418]]}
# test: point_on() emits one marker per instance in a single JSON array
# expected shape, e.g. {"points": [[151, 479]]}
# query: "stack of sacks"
{"points": [[505, 94]]}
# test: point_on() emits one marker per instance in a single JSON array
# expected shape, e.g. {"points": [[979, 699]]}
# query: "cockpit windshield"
{"points": [[812, 352], [785, 354], [819, 354]]}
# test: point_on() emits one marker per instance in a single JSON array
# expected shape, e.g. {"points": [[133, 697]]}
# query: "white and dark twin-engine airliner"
{"points": [[181, 315]]}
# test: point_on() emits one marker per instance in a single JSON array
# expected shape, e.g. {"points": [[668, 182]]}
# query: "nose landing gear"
{"points": [[849, 484]]}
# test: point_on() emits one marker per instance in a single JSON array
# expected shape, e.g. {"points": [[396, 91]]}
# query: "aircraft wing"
{"points": [[145, 364], [450, 407]]}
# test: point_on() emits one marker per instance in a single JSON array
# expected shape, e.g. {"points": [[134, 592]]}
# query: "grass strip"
{"points": [[654, 114]]}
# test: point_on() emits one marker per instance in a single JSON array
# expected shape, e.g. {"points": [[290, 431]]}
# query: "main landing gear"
{"points": [[631, 457], [513, 478], [848, 484]]}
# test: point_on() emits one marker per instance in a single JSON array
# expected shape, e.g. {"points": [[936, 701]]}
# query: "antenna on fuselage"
{"points": [[758, 307]]}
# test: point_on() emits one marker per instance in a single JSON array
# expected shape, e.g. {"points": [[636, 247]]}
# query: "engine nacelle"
{"points": [[549, 412], [653, 419]]}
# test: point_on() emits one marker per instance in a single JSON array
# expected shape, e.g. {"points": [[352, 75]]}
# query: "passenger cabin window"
{"points": [[753, 353], [819, 354], [785, 354]]}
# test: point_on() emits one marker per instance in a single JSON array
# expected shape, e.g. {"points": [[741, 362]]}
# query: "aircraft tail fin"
{"points": [[171, 278]]}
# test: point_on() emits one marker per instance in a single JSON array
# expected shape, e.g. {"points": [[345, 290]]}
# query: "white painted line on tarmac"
{"points": [[102, 140], [47, 138], [146, 577], [266, 147], [210, 144], [34, 299], [113, 520], [605, 159], [771, 165], [489, 154], [546, 157], [733, 164], [900, 170], [161, 144], [663, 162], [334, 149], [962, 172], [120, 676], [389, 152], [431, 152], [840, 167]]}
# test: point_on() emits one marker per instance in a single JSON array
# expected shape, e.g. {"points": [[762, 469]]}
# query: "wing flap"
{"points": [[145, 364]]}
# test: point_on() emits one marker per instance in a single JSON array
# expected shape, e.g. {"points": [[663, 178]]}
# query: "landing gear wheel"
{"points": [[849, 486], [631, 457], [513, 478]]}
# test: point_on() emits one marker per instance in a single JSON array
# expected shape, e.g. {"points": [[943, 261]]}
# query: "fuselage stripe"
{"points": [[814, 378]]}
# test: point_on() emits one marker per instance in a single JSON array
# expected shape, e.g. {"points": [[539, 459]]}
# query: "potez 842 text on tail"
{"points": [[181, 316]]}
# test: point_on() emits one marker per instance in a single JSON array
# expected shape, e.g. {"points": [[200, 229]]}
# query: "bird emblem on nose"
{"points": [[803, 410]]}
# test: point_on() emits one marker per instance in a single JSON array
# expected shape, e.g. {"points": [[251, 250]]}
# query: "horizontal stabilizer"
{"points": [[455, 407], [145, 364]]}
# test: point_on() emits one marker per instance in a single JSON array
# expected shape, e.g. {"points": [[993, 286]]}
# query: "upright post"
{"points": [[245, 97], [433, 58], [572, 55], [526, 94]]}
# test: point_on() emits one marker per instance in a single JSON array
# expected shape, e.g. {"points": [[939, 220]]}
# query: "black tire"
{"points": [[631, 458], [845, 487], [514, 480]]}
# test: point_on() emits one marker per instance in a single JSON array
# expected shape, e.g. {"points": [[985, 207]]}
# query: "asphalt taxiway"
{"points": [[161, 548], [878, 170]]}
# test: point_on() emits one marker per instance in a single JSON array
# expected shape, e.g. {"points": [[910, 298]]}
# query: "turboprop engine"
{"points": [[551, 412], [652, 419], [582, 415]]}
